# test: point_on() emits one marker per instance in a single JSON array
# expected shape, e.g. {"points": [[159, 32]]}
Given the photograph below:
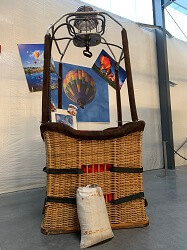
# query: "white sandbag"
{"points": [[93, 217]]}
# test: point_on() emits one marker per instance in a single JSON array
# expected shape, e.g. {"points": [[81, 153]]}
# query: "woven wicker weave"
{"points": [[64, 151]]}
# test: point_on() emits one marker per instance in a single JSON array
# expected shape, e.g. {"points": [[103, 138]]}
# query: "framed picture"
{"points": [[104, 66], [62, 116]]}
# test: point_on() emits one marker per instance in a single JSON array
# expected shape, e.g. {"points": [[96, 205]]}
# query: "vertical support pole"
{"points": [[165, 157], [46, 100], [60, 86], [118, 97], [129, 76], [163, 79]]}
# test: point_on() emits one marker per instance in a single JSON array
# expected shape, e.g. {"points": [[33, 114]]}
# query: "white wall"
{"points": [[177, 57], [22, 152]]}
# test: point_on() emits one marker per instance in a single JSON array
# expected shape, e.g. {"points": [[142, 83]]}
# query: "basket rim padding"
{"points": [[109, 133]]}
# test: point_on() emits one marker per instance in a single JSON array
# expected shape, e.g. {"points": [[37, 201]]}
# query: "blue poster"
{"points": [[32, 57], [85, 89]]}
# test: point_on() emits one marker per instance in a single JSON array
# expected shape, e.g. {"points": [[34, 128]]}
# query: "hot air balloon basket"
{"points": [[110, 158]]}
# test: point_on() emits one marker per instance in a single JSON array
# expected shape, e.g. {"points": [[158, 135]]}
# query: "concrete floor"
{"points": [[20, 219]]}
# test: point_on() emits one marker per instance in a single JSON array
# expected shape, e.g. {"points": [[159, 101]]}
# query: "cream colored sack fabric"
{"points": [[93, 217]]}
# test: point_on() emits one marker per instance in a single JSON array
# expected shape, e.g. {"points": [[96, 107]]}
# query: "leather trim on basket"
{"points": [[126, 170], [61, 200], [63, 171], [128, 198], [110, 133], [116, 202], [80, 171]]}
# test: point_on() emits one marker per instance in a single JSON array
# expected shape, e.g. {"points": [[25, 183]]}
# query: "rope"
{"points": [[177, 152], [176, 23]]}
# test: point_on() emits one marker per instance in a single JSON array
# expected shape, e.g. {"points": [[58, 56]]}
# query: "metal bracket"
{"points": [[166, 3]]}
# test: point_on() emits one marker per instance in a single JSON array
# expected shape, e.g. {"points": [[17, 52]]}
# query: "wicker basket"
{"points": [[69, 152], [109, 158]]}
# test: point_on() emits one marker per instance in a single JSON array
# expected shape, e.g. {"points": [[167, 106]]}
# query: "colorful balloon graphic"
{"points": [[79, 87], [36, 54], [105, 63], [105, 67]]}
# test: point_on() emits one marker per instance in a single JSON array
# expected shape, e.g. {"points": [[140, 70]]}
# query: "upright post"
{"points": [[163, 79], [165, 157], [129, 76], [60, 86], [46, 100], [118, 97]]}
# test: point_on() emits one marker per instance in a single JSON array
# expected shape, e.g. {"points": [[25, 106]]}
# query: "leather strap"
{"points": [[80, 171], [126, 170], [61, 200], [63, 171], [128, 198], [116, 202]]}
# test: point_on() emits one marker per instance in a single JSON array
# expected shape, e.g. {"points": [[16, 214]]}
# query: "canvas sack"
{"points": [[93, 217]]}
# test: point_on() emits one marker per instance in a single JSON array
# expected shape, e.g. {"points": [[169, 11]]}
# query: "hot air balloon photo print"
{"points": [[32, 57], [79, 87], [85, 89], [104, 66]]}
